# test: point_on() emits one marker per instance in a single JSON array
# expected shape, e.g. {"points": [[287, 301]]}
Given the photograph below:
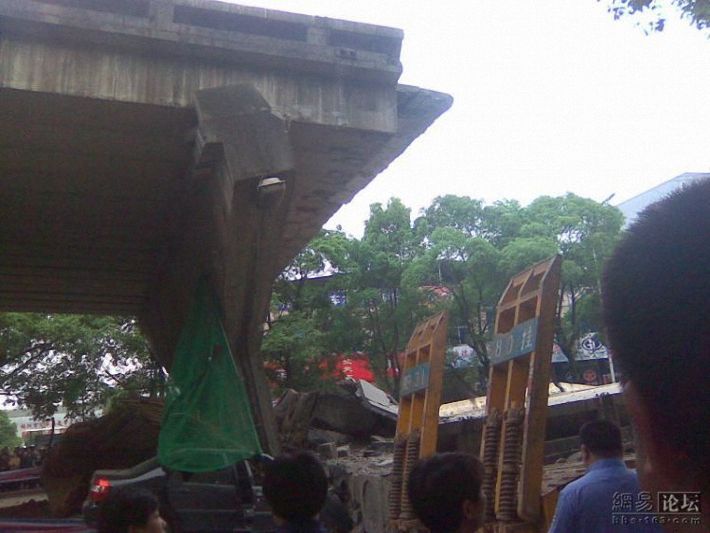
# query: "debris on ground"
{"points": [[322, 436], [356, 410], [327, 451], [361, 481], [352, 430], [363, 459]]}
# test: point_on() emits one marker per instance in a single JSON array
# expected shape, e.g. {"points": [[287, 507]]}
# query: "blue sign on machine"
{"points": [[415, 379], [518, 341]]}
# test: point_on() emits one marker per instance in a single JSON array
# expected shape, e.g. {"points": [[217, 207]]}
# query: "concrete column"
{"points": [[230, 233]]}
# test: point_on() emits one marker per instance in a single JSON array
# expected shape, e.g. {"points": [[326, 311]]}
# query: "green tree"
{"points": [[522, 252], [73, 360], [460, 213], [457, 255], [295, 343], [8, 432], [502, 221], [472, 250], [305, 324], [468, 268], [651, 14], [585, 233], [465, 242], [389, 309], [325, 255]]}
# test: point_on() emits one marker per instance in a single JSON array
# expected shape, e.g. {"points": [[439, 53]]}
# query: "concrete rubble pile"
{"points": [[356, 410], [352, 431], [125, 436], [360, 480]]}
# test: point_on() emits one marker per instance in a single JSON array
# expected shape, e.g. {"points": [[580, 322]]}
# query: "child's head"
{"points": [[295, 485], [445, 492], [131, 510]]}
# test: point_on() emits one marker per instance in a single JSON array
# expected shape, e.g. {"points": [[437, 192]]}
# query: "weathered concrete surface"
{"points": [[134, 135], [370, 495]]}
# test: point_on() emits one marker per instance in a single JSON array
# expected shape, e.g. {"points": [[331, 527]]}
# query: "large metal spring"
{"points": [[490, 461], [411, 456], [395, 495], [508, 495]]}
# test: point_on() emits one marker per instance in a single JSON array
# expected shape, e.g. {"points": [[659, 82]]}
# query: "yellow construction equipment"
{"points": [[512, 448], [418, 421]]}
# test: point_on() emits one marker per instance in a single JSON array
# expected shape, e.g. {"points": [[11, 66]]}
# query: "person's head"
{"points": [[130, 510], [656, 295], [445, 492], [600, 439], [295, 485]]}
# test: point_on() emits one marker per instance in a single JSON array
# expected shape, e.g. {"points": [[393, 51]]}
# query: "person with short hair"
{"points": [[587, 504], [445, 493], [130, 510], [295, 485], [656, 299]]}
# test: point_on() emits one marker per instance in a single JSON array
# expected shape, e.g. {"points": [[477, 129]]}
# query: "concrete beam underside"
{"points": [[128, 175]]}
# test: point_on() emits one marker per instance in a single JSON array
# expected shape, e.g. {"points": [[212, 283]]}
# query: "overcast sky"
{"points": [[550, 96]]}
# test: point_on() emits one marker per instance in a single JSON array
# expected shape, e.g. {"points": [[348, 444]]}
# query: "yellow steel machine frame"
{"points": [[418, 421], [512, 448]]}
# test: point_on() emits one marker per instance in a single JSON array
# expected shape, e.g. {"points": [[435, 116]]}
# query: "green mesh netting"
{"points": [[207, 423]]}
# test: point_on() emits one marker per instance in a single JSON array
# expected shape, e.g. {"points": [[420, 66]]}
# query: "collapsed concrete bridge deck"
{"points": [[145, 143]]}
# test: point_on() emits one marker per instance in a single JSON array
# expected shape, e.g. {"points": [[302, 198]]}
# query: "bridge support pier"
{"points": [[145, 144], [237, 191]]}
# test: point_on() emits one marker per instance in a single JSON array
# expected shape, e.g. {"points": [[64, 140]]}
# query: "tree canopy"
{"points": [[342, 295], [651, 15], [8, 432], [79, 361], [458, 255]]}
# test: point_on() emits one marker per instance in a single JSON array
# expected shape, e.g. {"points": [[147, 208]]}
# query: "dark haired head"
{"points": [[295, 486], [602, 438], [440, 487], [125, 508], [656, 295]]}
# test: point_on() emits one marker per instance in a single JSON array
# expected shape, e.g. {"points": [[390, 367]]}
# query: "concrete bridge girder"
{"points": [[228, 232], [133, 142]]}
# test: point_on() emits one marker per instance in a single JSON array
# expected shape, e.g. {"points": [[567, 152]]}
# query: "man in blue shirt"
{"points": [[597, 502]]}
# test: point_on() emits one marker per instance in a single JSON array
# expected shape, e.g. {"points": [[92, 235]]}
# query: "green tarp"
{"points": [[207, 423]]}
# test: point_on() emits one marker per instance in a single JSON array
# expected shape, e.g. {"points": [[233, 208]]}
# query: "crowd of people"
{"points": [[20, 457], [656, 293]]}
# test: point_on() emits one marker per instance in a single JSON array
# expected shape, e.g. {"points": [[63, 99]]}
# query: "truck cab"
{"points": [[225, 500]]}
